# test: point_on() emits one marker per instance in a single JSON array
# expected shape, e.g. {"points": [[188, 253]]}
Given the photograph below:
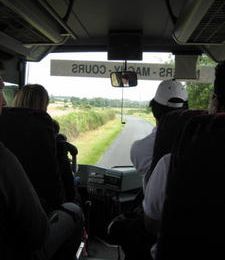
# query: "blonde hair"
{"points": [[33, 96]]}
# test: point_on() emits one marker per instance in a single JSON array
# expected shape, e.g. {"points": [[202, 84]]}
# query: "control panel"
{"points": [[119, 179]]}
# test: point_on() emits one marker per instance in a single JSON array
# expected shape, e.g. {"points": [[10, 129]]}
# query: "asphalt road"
{"points": [[118, 153]]}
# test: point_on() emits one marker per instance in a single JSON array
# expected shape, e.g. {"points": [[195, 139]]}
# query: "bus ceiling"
{"points": [[29, 30]]}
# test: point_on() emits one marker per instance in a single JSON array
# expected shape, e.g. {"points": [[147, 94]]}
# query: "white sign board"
{"points": [[145, 71]]}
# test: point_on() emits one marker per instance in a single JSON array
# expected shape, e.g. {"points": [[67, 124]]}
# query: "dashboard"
{"points": [[118, 179]]}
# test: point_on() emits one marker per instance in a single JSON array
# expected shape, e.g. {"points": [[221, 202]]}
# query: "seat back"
{"points": [[193, 225], [29, 135], [168, 131]]}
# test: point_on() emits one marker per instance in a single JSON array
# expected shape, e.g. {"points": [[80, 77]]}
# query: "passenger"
{"points": [[25, 230], [43, 172], [35, 96], [67, 169], [169, 131], [170, 95], [155, 191], [68, 147]]}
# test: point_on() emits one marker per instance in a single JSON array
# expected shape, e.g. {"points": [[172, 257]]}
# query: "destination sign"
{"points": [[145, 71]]}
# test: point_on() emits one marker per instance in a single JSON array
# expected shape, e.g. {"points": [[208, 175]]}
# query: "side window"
{"points": [[9, 93]]}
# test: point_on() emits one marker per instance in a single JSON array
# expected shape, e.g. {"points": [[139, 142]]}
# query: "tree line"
{"points": [[199, 94], [99, 102]]}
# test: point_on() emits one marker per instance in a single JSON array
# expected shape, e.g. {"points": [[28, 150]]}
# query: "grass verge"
{"points": [[92, 144], [146, 116]]}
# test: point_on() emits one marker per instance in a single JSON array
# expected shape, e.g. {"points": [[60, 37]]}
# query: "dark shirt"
{"points": [[23, 222], [31, 138], [63, 147]]}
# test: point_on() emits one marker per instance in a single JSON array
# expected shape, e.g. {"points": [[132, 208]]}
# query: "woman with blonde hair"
{"points": [[26, 230], [32, 96], [35, 96]]}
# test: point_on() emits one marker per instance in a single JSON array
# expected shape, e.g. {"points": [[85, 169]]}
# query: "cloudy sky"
{"points": [[90, 87]]}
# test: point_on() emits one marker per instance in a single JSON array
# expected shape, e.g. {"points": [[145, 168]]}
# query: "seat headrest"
{"points": [[29, 134]]}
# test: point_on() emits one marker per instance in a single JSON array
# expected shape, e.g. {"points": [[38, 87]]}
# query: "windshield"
{"points": [[100, 120]]}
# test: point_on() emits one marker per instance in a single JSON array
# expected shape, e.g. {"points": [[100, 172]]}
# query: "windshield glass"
{"points": [[100, 120]]}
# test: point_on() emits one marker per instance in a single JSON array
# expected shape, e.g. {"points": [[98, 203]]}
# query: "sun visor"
{"points": [[216, 52], [185, 66]]}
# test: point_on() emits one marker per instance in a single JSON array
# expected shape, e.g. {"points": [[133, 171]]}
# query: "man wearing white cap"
{"points": [[25, 230], [169, 96], [130, 232]]}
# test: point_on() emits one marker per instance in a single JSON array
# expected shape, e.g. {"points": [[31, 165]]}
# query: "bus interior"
{"points": [[124, 30]]}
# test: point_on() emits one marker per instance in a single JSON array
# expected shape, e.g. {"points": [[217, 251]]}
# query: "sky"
{"points": [[91, 87]]}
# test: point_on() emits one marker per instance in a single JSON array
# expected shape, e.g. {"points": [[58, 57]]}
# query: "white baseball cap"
{"points": [[169, 90]]}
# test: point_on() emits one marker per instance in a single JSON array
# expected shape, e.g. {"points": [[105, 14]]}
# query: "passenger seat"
{"points": [[193, 220], [29, 135]]}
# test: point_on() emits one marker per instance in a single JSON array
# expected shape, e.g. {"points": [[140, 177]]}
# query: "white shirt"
{"points": [[155, 189], [141, 152]]}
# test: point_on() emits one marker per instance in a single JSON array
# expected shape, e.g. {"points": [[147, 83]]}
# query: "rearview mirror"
{"points": [[123, 79]]}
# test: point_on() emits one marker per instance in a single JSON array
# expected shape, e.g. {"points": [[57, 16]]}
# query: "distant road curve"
{"points": [[118, 153]]}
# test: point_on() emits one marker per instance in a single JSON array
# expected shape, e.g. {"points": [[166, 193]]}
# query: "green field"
{"points": [[79, 121], [92, 130], [93, 144]]}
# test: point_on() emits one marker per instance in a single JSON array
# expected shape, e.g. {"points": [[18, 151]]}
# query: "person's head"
{"points": [[2, 99], [170, 95], [217, 103], [32, 96]]}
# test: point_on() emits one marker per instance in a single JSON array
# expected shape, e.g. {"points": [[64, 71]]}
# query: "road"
{"points": [[118, 153]]}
